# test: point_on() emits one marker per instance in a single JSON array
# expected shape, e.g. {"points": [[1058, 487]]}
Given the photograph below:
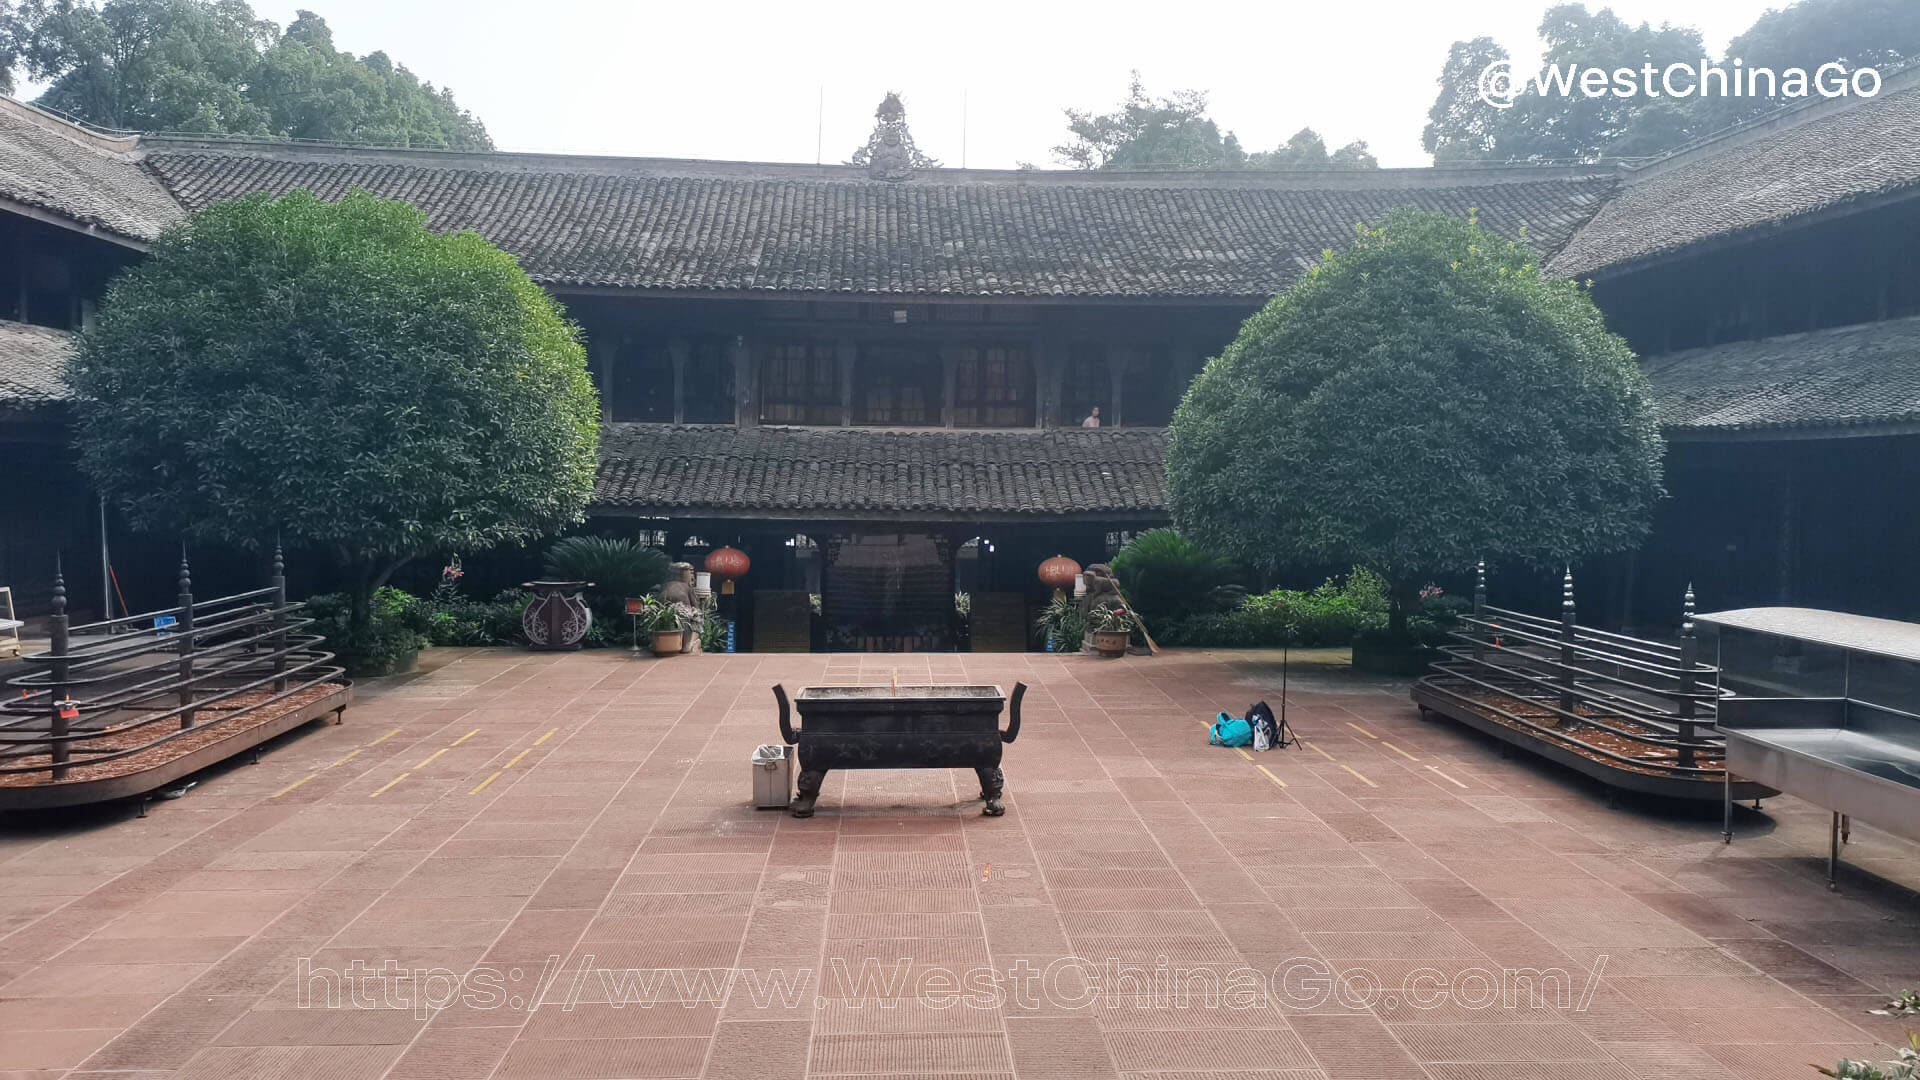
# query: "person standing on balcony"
{"points": [[1093, 418]]}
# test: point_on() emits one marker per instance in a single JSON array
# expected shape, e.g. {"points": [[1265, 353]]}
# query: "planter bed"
{"points": [[1618, 760], [222, 730]]}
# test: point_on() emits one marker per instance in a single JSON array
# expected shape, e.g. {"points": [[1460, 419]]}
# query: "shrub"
{"points": [[459, 621], [1167, 576], [388, 641], [1334, 614], [1061, 625], [618, 568]]}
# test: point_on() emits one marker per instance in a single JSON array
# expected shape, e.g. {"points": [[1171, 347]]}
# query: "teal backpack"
{"points": [[1230, 731]]}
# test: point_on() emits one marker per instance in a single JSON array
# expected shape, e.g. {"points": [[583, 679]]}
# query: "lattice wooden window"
{"points": [[897, 386], [993, 386], [800, 384]]}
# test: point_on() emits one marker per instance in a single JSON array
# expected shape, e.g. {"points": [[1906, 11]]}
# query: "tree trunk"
{"points": [[364, 579], [1401, 598]]}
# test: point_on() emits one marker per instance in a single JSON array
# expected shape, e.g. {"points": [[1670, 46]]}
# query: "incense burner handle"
{"points": [[1013, 713], [786, 716]]}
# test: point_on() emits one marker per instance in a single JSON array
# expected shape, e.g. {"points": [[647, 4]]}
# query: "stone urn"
{"points": [[556, 619]]}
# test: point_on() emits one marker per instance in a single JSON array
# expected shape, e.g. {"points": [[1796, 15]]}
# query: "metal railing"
{"points": [[1647, 706], [167, 673]]}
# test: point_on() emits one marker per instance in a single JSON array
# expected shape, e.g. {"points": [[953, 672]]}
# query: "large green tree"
{"points": [[339, 375], [1566, 127], [148, 65], [310, 90], [213, 67], [1174, 132], [1422, 399], [1573, 127], [1858, 33]]}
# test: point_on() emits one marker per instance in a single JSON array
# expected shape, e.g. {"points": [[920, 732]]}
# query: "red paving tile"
{"points": [[1151, 908]]}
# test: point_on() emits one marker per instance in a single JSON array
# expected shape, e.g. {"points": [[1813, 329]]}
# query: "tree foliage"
{"points": [[1556, 127], [214, 67], [1420, 400], [340, 375], [1174, 132], [1870, 33]]}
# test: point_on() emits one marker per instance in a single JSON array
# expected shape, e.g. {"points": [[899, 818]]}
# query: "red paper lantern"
{"points": [[1059, 572], [728, 563]]}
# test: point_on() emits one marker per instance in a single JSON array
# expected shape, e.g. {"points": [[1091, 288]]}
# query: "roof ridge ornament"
{"points": [[890, 153]]}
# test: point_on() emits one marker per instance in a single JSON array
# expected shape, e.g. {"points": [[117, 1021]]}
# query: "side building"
{"points": [[1770, 281]]}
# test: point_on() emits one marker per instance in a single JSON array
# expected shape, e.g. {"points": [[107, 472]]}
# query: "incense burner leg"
{"points": [[809, 788], [992, 782]]}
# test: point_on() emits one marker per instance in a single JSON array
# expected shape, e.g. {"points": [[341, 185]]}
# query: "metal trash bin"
{"points": [[772, 777]]}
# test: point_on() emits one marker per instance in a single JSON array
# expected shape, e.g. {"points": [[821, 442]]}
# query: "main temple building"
{"points": [[877, 379]]}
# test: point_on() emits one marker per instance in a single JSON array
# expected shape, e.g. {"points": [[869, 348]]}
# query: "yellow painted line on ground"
{"points": [[1448, 779], [1397, 750], [391, 782], [465, 737], [1243, 753], [1356, 772], [348, 758], [510, 764], [385, 737], [1270, 775], [293, 785], [1315, 747], [424, 762], [1362, 730]]}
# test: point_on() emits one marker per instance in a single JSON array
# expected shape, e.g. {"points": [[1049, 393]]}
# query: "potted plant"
{"points": [[1112, 626], [1060, 625], [661, 621]]}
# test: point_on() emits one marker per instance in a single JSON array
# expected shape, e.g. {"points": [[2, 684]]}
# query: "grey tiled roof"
{"points": [[53, 166], [32, 359], [1800, 162], [654, 224], [1846, 377], [824, 472]]}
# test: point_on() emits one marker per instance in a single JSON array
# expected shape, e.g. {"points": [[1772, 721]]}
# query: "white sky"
{"points": [[744, 80]]}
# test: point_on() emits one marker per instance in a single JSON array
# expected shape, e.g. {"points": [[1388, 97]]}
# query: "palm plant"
{"points": [[618, 568], [1167, 576]]}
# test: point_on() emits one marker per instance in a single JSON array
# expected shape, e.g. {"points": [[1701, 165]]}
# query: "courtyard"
{"points": [[520, 865]]}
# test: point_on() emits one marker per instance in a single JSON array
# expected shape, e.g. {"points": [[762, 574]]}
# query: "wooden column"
{"points": [[1789, 533], [949, 381], [1049, 361], [678, 349], [1185, 358], [849, 352], [1117, 359], [600, 361], [746, 390]]}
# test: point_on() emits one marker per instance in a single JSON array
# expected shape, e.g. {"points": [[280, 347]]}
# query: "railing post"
{"points": [[1480, 632], [183, 627], [59, 693], [279, 583], [1566, 640], [1689, 657]]}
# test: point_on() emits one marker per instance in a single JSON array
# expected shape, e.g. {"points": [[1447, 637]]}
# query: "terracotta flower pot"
{"points": [[668, 642], [1110, 642]]}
